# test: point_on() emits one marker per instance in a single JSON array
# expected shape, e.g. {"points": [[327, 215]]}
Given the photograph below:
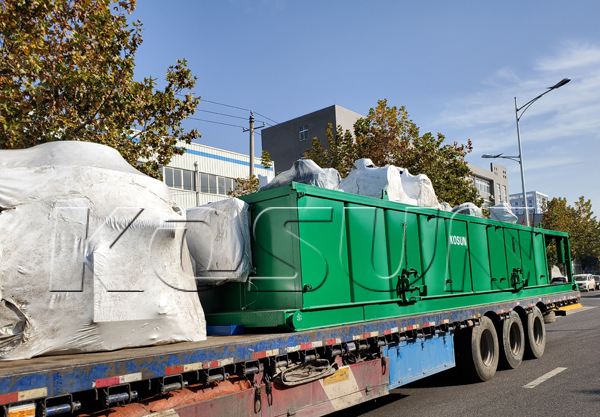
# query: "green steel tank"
{"points": [[325, 257]]}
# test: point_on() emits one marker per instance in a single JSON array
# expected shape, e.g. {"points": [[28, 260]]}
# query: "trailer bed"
{"points": [[67, 374]]}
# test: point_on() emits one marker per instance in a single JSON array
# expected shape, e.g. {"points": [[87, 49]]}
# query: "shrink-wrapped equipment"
{"points": [[92, 255], [306, 171], [502, 212], [218, 237], [368, 180]]}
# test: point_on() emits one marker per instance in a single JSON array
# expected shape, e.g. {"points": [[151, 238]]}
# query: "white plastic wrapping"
{"points": [[445, 206], [92, 255], [218, 237], [306, 171], [469, 209], [263, 180], [368, 180], [503, 212]]}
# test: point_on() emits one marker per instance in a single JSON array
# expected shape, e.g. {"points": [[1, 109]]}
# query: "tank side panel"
{"points": [[480, 257], [527, 259], [433, 244], [323, 248], [367, 254], [457, 257], [541, 261]]}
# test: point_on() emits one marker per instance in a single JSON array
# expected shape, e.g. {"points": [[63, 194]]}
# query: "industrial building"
{"points": [[492, 185], [286, 142], [204, 174]]}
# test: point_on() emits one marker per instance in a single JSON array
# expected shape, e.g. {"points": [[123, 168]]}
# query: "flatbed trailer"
{"points": [[359, 296], [232, 375]]}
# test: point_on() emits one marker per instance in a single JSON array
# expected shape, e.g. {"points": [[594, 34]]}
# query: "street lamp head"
{"points": [[560, 83], [487, 155]]}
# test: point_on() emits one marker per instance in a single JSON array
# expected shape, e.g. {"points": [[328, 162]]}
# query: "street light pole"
{"points": [[519, 158], [521, 165]]}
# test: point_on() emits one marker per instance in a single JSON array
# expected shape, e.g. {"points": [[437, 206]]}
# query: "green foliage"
{"points": [[581, 225], [244, 186], [265, 159], [319, 155], [341, 152], [388, 136], [66, 73]]}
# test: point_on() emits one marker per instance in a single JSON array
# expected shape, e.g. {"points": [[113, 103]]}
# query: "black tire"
{"points": [[535, 334], [549, 317], [511, 337], [478, 351]]}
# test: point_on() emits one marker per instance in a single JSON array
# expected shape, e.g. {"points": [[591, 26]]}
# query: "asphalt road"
{"points": [[573, 342]]}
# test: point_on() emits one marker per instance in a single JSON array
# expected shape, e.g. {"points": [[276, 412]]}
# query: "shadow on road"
{"points": [[450, 378], [364, 408]]}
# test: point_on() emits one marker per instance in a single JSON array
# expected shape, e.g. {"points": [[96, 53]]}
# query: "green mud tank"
{"points": [[325, 258]]}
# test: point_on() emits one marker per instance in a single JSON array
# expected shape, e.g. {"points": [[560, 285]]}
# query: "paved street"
{"points": [[573, 342]]}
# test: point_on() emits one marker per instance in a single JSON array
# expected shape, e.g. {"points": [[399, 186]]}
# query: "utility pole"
{"points": [[251, 130]]}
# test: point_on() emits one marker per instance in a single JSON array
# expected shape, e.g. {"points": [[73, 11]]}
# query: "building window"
{"points": [[303, 130], [204, 183], [179, 178], [188, 180], [504, 194], [207, 183], [212, 184], [168, 176], [498, 199], [482, 185], [221, 182], [228, 185]]}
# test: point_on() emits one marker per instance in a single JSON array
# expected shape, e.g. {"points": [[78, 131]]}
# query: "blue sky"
{"points": [[456, 66]]}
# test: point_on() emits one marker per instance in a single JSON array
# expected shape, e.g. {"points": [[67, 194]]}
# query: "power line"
{"points": [[211, 121], [223, 114], [277, 125], [226, 105]]}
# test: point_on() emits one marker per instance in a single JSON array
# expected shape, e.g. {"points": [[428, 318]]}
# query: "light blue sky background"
{"points": [[456, 66]]}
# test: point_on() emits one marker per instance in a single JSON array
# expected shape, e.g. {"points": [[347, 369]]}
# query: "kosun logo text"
{"points": [[458, 240]]}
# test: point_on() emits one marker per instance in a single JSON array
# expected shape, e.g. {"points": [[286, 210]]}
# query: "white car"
{"points": [[585, 282], [597, 279]]}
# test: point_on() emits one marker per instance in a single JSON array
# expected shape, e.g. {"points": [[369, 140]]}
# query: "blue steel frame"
{"points": [[60, 379]]}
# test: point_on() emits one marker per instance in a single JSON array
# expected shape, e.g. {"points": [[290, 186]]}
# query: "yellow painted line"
{"points": [[571, 307]]}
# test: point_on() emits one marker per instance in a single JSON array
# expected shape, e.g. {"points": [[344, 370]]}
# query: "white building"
{"points": [[204, 174], [535, 202]]}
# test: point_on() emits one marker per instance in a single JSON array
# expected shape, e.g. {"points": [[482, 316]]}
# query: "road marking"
{"points": [[579, 310], [543, 378], [571, 307]]}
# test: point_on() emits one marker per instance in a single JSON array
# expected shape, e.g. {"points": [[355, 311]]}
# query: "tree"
{"points": [[388, 136], [581, 225], [265, 159], [319, 155], [66, 73], [245, 186]]}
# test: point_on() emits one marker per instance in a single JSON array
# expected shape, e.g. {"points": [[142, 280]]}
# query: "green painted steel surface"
{"points": [[325, 258]]}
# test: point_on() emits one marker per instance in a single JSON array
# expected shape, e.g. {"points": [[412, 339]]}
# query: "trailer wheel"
{"points": [[477, 351], [536, 334], [512, 335], [549, 317]]}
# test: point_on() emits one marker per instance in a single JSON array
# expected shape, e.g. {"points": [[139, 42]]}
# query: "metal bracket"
{"points": [[125, 397], [250, 368], [209, 378], [257, 399], [70, 407], [403, 286], [309, 355], [516, 278], [173, 386]]}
